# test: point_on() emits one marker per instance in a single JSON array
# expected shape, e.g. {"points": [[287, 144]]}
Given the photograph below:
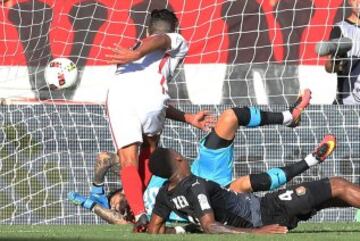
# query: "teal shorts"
{"points": [[214, 164]]}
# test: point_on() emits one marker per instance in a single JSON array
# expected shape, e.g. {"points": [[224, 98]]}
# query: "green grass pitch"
{"points": [[305, 232]]}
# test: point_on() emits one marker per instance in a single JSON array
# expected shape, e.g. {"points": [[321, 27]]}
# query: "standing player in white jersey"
{"points": [[137, 102]]}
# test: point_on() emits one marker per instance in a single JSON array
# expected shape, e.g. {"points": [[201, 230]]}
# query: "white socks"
{"points": [[311, 160], [288, 118]]}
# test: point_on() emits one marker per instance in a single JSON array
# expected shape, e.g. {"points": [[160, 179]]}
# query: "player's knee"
{"points": [[128, 157], [229, 117], [272, 179], [260, 182], [128, 160], [278, 178], [227, 125], [128, 163]]}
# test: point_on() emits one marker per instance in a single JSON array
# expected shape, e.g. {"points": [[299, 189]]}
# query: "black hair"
{"points": [[161, 162], [112, 193], [163, 15]]}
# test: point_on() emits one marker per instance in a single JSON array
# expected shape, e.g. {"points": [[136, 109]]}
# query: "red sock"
{"points": [[144, 171], [133, 187]]}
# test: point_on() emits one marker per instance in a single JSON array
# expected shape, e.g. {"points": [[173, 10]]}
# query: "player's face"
{"points": [[355, 6], [119, 203], [184, 164]]}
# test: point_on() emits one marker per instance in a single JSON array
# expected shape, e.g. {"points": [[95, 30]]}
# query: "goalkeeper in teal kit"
{"points": [[214, 162]]}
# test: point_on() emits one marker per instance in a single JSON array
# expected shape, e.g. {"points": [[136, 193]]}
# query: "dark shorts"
{"points": [[289, 206]]}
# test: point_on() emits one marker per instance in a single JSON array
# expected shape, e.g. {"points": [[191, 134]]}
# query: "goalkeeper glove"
{"points": [[81, 200], [97, 194]]}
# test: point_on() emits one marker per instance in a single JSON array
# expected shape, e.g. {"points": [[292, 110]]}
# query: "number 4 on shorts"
{"points": [[286, 196]]}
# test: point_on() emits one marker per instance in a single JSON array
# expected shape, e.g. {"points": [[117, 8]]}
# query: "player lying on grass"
{"points": [[137, 101], [219, 210], [120, 212], [114, 208], [215, 159]]}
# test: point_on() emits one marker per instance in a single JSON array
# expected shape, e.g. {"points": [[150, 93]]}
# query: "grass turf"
{"points": [[308, 231]]}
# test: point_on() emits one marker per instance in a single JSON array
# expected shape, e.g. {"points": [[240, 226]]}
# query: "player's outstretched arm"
{"points": [[157, 226], [104, 162], [202, 120], [108, 215], [121, 55], [209, 225]]}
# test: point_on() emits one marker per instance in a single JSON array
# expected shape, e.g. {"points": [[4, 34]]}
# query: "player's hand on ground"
{"points": [[273, 228], [121, 55], [141, 224], [203, 120], [193, 228]]}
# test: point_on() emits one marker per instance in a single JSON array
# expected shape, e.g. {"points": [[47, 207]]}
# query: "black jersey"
{"points": [[194, 196]]}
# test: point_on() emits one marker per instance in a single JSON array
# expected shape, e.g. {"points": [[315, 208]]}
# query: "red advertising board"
{"points": [[218, 31]]}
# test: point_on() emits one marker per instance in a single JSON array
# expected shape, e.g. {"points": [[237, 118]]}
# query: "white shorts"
{"points": [[129, 121]]}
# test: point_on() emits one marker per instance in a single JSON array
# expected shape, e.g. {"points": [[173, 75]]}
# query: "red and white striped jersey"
{"points": [[146, 79]]}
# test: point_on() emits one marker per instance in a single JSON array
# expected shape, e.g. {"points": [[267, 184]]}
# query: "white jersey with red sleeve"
{"points": [[138, 93], [149, 75]]}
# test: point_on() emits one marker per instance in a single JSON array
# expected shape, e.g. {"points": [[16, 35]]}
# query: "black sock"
{"points": [[242, 115], [295, 169], [262, 181], [266, 118], [271, 118]]}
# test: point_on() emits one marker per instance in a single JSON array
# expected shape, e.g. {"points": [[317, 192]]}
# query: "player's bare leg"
{"points": [[343, 190], [104, 162]]}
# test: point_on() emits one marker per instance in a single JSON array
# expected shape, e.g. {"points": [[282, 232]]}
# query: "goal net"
{"points": [[48, 150], [242, 52]]}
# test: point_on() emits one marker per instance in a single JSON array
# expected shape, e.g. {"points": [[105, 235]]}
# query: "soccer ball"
{"points": [[60, 73]]}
